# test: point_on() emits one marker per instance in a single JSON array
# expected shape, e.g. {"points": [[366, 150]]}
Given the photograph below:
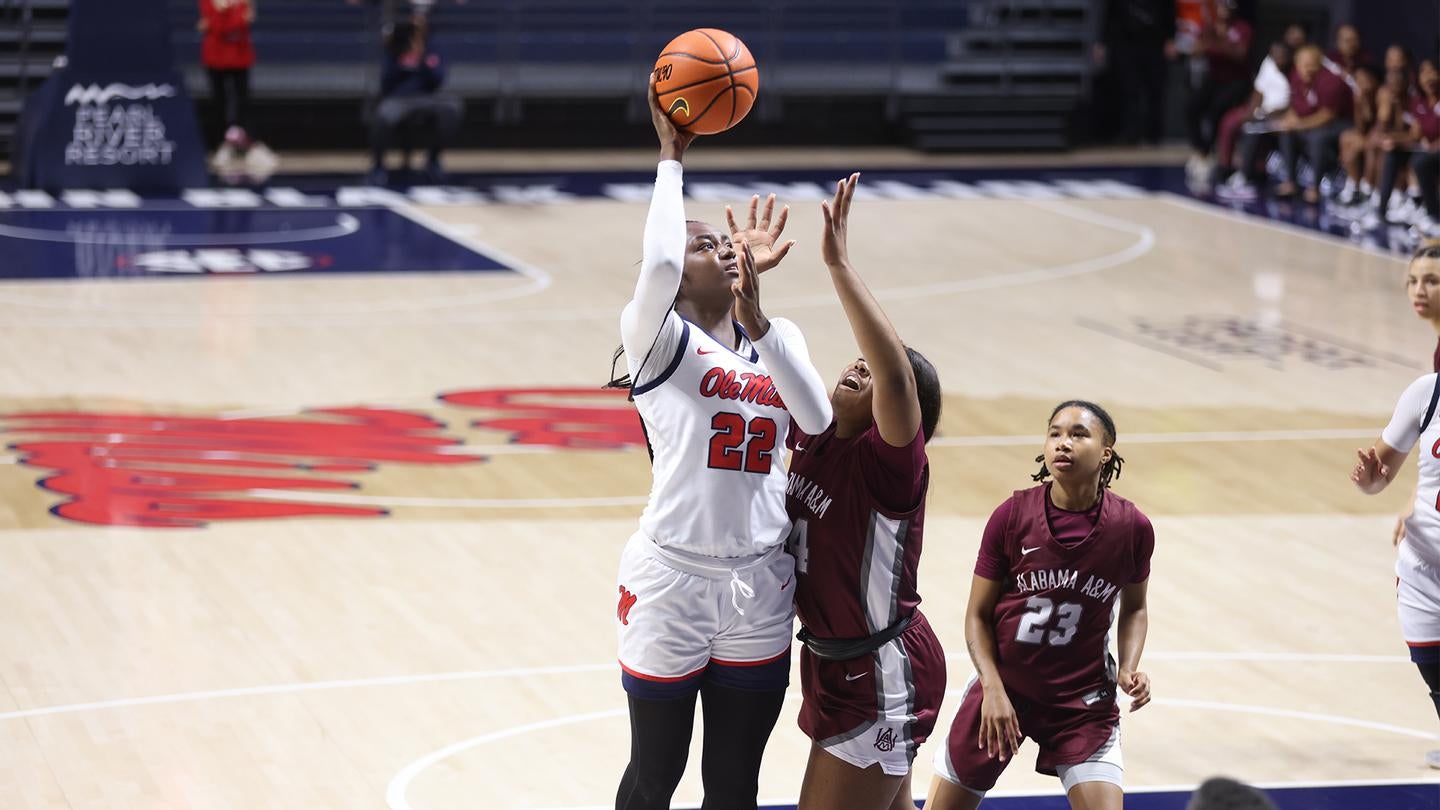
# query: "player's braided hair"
{"points": [[1111, 468]]}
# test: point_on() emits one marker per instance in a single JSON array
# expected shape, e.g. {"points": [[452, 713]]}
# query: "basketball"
{"points": [[707, 80]]}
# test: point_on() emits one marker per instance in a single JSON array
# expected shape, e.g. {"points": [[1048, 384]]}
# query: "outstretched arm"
{"points": [[896, 404], [663, 259], [783, 350]]}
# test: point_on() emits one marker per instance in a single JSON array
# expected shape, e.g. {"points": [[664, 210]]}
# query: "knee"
{"points": [[657, 777]]}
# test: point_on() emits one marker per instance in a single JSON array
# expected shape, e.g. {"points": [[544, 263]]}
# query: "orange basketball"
{"points": [[707, 80]]}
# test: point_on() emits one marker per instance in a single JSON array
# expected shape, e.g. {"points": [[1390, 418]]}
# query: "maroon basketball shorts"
{"points": [[879, 707], [1076, 744]]}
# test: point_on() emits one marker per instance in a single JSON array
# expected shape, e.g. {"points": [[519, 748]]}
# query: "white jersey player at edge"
{"points": [[1417, 565], [706, 589]]}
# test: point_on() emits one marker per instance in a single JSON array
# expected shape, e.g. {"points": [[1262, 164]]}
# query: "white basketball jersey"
{"points": [[1422, 528], [717, 427]]}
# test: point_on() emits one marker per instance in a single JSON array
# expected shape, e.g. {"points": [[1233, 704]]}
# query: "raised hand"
{"points": [[673, 140], [759, 235], [834, 245], [1137, 686], [747, 295]]}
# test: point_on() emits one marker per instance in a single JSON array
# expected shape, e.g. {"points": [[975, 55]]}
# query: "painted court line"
{"points": [[396, 799], [345, 224], [572, 669], [340, 499], [1288, 228]]}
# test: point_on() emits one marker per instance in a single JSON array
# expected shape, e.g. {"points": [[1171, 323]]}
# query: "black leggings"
{"points": [[230, 94], [738, 723], [1431, 673]]}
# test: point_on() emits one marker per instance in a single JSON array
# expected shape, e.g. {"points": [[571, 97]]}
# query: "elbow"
{"points": [[817, 422]]}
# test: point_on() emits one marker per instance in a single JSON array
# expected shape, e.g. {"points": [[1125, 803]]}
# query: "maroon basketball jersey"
{"points": [[858, 507], [1057, 603]]}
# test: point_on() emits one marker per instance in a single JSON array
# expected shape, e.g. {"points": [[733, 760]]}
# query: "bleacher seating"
{"points": [[507, 46]]}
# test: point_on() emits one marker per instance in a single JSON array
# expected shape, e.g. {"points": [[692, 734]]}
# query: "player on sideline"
{"points": [[1417, 564], [1053, 561], [705, 586], [1422, 286], [872, 671]]}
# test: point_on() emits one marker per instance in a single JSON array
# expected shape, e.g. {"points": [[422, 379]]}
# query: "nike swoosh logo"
{"points": [[706, 351], [856, 677], [786, 583], [1028, 550]]}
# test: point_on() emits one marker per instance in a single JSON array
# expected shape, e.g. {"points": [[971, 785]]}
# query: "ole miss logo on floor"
{"points": [[172, 470]]}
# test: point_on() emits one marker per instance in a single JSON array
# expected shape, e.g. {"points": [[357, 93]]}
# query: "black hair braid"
{"points": [[619, 380], [624, 382], [1111, 469]]}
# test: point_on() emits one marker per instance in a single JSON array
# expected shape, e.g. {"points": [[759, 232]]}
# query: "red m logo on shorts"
{"points": [[627, 601]]}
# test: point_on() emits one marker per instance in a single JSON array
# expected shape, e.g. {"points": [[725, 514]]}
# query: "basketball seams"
{"points": [[730, 72], [667, 91], [692, 57], [732, 76], [705, 32]]}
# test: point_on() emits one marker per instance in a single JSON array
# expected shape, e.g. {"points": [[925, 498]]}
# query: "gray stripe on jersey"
{"points": [[846, 736], [884, 547]]}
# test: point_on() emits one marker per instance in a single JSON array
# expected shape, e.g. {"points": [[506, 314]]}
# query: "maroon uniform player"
{"points": [[1054, 562], [872, 671]]}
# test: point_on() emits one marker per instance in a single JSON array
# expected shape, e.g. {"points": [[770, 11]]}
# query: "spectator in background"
{"points": [[1355, 143], [1321, 105], [1390, 142], [1220, 793], [227, 55], [410, 96], [1295, 37], [1138, 37], [1224, 44], [1347, 55], [1425, 110], [1268, 101]]}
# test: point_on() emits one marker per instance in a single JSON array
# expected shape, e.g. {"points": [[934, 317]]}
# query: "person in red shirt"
{"points": [[872, 670], [1225, 46], [228, 54], [1321, 105], [1348, 54], [1055, 562]]}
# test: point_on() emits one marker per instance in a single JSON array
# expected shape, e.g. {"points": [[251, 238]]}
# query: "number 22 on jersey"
{"points": [[741, 447]]}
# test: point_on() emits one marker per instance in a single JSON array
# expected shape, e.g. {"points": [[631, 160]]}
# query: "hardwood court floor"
{"points": [[459, 652]]}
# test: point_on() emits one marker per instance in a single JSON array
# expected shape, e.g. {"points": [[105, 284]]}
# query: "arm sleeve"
{"points": [[993, 562], [662, 263], [787, 358], [1144, 548], [1404, 428]]}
